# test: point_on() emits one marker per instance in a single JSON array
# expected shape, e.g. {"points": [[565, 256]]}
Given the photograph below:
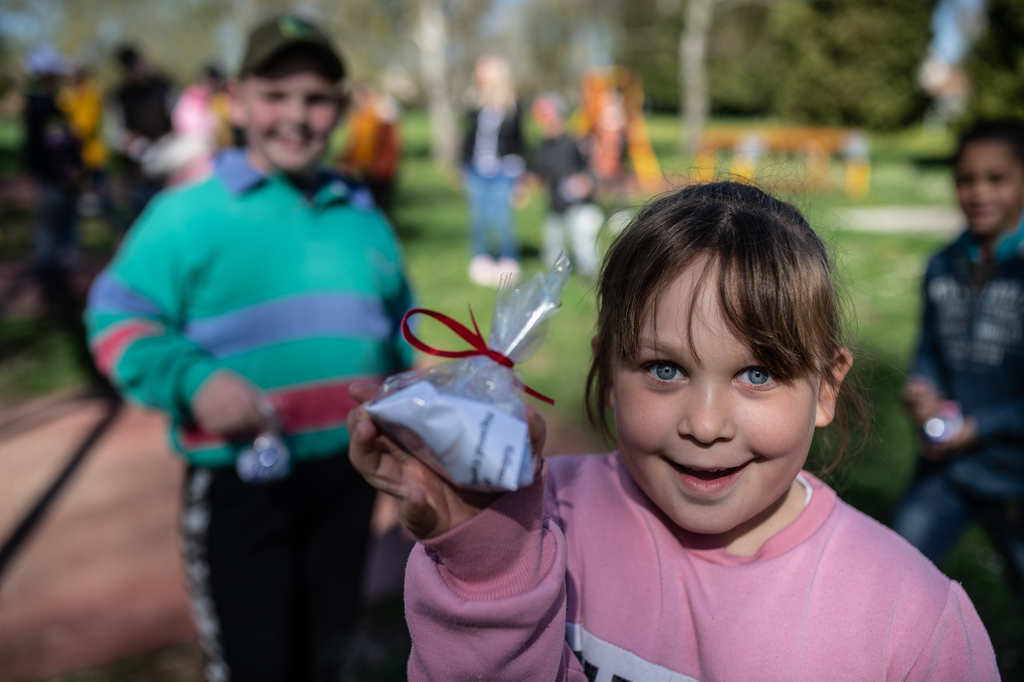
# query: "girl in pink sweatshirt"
{"points": [[699, 550]]}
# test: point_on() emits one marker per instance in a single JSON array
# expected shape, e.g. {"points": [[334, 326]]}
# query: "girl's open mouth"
{"points": [[708, 481], [706, 475]]}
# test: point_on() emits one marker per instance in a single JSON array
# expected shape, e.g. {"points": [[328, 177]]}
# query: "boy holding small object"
{"points": [[964, 392], [243, 306]]}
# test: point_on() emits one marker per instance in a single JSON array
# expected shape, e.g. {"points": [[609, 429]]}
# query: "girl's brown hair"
{"points": [[774, 279]]}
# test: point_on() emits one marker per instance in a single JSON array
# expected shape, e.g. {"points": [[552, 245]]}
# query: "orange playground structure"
{"points": [[611, 120], [611, 117]]}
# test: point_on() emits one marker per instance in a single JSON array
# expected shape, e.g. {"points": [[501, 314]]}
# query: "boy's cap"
{"points": [[280, 33]]}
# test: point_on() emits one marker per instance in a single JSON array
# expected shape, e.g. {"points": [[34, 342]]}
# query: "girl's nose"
{"points": [[706, 416]]}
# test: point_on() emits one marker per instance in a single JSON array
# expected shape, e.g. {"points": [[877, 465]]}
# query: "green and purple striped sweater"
{"points": [[243, 271]]}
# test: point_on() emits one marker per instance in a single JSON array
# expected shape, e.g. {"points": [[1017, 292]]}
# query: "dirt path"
{"points": [[945, 221], [100, 578]]}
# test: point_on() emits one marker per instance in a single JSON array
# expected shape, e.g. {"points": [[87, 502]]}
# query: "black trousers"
{"points": [[275, 570]]}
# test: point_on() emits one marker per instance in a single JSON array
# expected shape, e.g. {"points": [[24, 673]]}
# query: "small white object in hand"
{"points": [[476, 443]]}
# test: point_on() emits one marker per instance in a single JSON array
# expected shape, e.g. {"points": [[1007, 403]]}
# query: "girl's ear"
{"points": [[828, 392]]}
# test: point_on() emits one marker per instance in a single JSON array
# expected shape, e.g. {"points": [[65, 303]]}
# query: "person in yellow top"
{"points": [[81, 101], [82, 104]]}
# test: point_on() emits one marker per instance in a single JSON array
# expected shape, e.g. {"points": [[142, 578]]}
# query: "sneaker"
{"points": [[506, 268], [482, 271]]}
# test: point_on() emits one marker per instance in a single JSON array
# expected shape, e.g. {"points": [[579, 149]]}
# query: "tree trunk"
{"points": [[433, 44], [693, 80]]}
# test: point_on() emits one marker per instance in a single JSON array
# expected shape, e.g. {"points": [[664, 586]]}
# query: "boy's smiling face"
{"points": [[287, 111], [990, 188]]}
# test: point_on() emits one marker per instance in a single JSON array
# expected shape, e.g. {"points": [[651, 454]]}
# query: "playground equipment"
{"points": [[611, 118], [748, 145]]}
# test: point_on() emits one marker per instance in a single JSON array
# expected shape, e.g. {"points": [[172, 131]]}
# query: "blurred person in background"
{"points": [[52, 156], [81, 100], [606, 141], [965, 393], [374, 144], [572, 218], [200, 126], [243, 306], [142, 104], [492, 163]]}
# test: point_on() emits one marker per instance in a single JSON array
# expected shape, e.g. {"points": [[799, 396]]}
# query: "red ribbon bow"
{"points": [[473, 337]]}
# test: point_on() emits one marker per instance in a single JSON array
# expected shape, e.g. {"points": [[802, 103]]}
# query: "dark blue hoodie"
{"points": [[972, 347]]}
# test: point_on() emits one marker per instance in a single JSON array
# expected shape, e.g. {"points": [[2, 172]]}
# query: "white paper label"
{"points": [[476, 443]]}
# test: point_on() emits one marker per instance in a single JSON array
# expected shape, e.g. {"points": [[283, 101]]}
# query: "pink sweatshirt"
{"points": [[592, 566]]}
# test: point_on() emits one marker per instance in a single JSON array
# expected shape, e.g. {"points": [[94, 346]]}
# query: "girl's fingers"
{"points": [[361, 430], [365, 430], [362, 447], [387, 486], [538, 429], [376, 457], [418, 515], [362, 391]]}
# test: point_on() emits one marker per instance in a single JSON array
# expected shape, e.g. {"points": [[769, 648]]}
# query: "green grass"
{"points": [[38, 357], [880, 275]]}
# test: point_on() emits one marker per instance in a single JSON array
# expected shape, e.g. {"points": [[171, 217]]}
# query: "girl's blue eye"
{"points": [[756, 375], [664, 371]]}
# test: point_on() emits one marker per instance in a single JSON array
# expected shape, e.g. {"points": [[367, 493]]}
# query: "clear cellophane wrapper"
{"points": [[466, 419]]}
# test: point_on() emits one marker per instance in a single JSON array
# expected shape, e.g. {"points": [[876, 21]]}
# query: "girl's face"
{"points": [[990, 188], [717, 446]]}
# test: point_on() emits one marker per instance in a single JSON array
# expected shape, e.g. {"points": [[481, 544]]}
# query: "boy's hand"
{"points": [[940, 452], [920, 399], [228, 404], [430, 505]]}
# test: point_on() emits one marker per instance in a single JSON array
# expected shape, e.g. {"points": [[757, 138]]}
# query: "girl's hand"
{"points": [[430, 505]]}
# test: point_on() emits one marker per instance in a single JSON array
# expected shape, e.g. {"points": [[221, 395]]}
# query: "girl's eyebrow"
{"points": [[646, 344], [664, 347]]}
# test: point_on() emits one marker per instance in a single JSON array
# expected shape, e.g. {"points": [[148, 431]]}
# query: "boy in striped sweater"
{"points": [[246, 304]]}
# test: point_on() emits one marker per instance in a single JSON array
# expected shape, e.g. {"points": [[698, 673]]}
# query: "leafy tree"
{"points": [[851, 62], [996, 64], [741, 54], [701, 56], [743, 60], [647, 42]]}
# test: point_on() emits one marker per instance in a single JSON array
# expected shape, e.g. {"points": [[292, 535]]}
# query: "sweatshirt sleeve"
{"points": [[927, 362], [486, 600], [959, 647], [134, 320], [1004, 418]]}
